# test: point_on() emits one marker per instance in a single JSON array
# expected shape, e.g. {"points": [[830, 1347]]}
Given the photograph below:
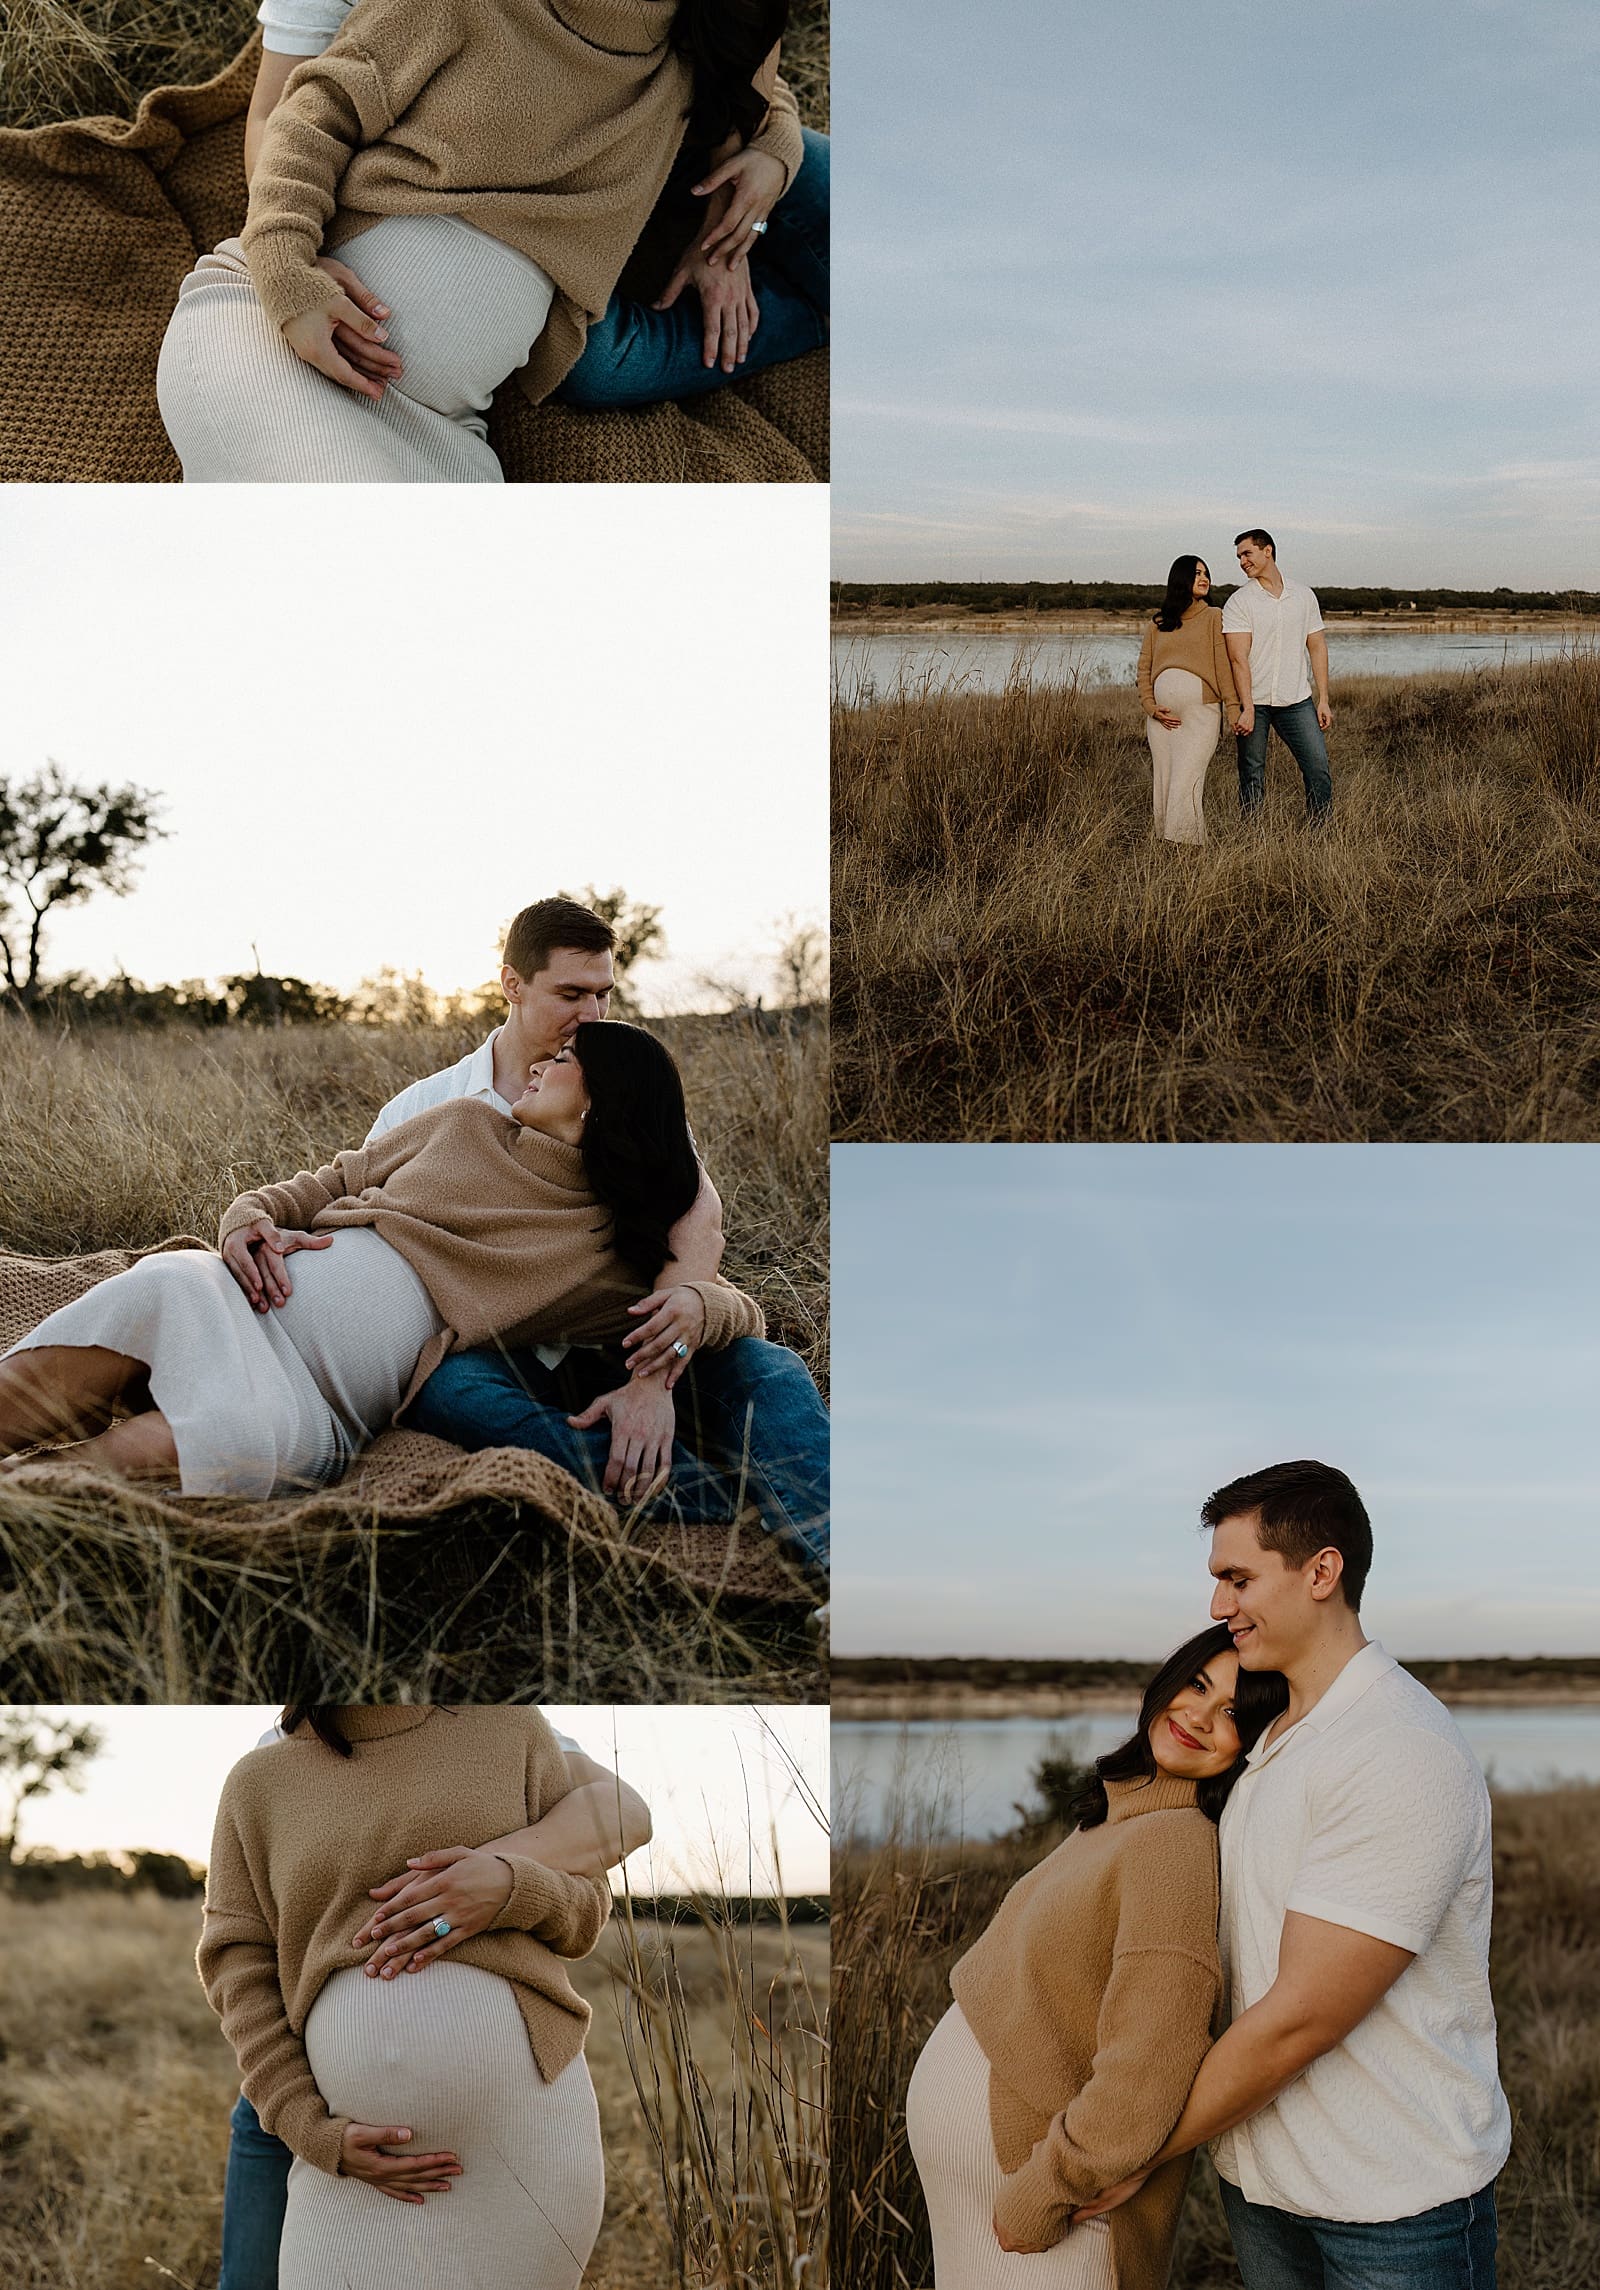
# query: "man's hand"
{"points": [[1110, 2199], [466, 1886], [727, 306], [312, 336], [1325, 715], [644, 1424], [677, 1316], [755, 182], [368, 357], [407, 2177], [255, 1253], [1244, 723]]}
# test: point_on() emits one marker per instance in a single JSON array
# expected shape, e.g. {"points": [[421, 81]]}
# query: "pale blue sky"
{"points": [[1114, 282], [1046, 1357]]}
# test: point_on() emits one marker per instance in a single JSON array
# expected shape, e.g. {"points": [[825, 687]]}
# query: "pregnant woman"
{"points": [[1185, 680], [484, 169], [472, 2070], [1082, 2014], [457, 1227]]}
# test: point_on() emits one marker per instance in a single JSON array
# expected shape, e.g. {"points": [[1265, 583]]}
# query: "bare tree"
{"points": [[37, 1753], [59, 844], [800, 971]]}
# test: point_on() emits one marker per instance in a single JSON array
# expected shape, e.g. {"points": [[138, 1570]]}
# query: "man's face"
{"points": [[572, 988], [1253, 559], [1266, 1602]]}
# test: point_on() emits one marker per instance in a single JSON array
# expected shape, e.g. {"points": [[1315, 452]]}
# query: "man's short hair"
{"points": [[1300, 1509], [539, 929], [1262, 540]]}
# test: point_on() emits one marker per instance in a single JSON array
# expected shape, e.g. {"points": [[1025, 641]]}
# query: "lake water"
{"points": [[874, 667], [969, 1778]]}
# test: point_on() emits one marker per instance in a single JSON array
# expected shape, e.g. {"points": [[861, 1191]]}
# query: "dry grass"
{"points": [[903, 1912], [1019, 959], [116, 1138], [113, 2119], [61, 59]]}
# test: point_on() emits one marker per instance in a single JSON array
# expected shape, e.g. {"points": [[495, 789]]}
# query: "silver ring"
{"points": [[758, 228], [441, 1928], [681, 1349]]}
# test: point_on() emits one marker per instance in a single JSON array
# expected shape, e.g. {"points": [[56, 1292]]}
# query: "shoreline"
{"points": [[926, 620], [855, 1705]]}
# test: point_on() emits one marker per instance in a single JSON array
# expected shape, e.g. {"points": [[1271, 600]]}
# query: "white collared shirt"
{"points": [[1370, 1812], [1277, 627], [471, 1076]]}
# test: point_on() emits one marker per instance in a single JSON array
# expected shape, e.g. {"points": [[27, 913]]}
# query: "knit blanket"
{"points": [[101, 219], [404, 1477]]}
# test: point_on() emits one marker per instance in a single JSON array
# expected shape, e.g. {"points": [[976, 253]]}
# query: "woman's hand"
{"points": [[314, 335], [465, 1886], [677, 1316], [255, 1253], [756, 182], [407, 2177], [368, 357], [1166, 716], [727, 306]]}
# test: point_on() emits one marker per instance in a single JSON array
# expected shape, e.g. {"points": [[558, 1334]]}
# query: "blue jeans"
{"points": [[1301, 734], [254, 2199], [638, 356], [751, 1427], [1449, 2248]]}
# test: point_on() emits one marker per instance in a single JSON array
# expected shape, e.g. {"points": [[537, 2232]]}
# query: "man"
{"points": [[688, 1434], [1272, 627], [588, 1832], [1354, 2102]]}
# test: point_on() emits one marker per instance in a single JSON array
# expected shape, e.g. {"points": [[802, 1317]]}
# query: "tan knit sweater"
{"points": [[1196, 644], [1093, 1995], [301, 1836], [550, 124], [497, 1222]]}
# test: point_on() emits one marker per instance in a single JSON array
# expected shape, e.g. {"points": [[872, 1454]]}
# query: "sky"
{"points": [[376, 737], [1046, 1358], [721, 1785], [1115, 282]]}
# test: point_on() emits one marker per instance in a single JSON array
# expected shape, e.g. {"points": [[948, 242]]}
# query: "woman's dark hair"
{"points": [[1180, 591], [1258, 1698], [636, 1149], [323, 1719], [726, 42]]}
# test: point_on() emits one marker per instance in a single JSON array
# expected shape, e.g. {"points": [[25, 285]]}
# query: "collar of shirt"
{"points": [[1362, 1671]]}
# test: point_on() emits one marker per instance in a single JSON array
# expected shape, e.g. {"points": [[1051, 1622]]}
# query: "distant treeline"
{"points": [[853, 598], [1498, 1673]]}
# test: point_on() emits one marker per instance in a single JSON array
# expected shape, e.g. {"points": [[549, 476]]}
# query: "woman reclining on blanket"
{"points": [[459, 1226], [485, 168]]}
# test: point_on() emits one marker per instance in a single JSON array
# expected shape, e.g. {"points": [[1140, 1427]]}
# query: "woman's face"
{"points": [[556, 1098], [1195, 1736], [1202, 580]]}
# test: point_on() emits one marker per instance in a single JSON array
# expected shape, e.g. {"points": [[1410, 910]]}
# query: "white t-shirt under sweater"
{"points": [[301, 27], [1370, 1812], [1277, 627]]}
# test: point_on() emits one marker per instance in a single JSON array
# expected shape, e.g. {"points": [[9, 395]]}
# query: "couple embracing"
{"points": [[1268, 1932], [1255, 663], [524, 1252]]}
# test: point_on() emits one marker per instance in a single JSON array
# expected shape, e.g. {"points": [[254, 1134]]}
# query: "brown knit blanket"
{"points": [[405, 1476], [100, 220]]}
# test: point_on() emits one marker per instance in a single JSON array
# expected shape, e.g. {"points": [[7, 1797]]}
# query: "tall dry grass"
{"points": [[63, 58], [118, 1138], [904, 1911], [117, 2086], [1018, 958]]}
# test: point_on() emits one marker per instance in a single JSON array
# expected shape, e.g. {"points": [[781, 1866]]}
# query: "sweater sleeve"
{"points": [[333, 105], [238, 1964], [296, 1203], [1147, 682], [567, 1913], [779, 133], [730, 1314]]}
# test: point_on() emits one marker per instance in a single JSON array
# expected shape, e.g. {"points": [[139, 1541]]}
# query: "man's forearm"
{"points": [[1238, 651], [696, 1240], [1244, 2071], [1317, 647], [590, 1830]]}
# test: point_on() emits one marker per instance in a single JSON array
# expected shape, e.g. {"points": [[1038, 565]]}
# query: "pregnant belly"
{"points": [[441, 2051]]}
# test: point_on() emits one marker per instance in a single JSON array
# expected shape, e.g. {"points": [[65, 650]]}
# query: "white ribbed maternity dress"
{"points": [[445, 2053], [947, 2122], [1179, 757], [241, 408], [262, 1403]]}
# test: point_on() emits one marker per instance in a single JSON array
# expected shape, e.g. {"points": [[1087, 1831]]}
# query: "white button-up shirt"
{"points": [[471, 1076], [1371, 1812], [1277, 627]]}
